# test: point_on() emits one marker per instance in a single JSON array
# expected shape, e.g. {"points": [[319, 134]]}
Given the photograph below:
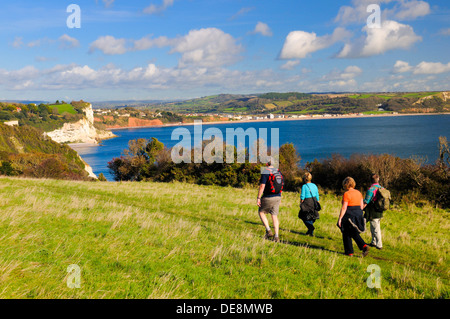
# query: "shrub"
{"points": [[7, 169], [405, 178], [24, 150]]}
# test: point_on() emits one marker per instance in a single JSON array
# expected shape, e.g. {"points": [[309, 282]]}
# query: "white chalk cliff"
{"points": [[82, 131]]}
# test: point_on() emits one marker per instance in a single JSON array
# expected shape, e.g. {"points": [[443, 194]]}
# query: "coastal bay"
{"points": [[400, 135]]}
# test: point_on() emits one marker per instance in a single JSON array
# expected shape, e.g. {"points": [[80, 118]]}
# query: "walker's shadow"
{"points": [[288, 230], [300, 244], [306, 245], [299, 233]]}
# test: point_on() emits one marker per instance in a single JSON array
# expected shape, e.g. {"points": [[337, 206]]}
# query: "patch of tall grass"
{"points": [[175, 240]]}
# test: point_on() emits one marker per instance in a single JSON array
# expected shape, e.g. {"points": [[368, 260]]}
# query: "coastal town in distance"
{"points": [[269, 106]]}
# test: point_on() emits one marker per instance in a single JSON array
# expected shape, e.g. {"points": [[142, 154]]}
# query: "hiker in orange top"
{"points": [[269, 198], [351, 220]]}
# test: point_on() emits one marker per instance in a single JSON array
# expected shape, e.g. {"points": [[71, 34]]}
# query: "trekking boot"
{"points": [[276, 239], [268, 235], [365, 250], [310, 231]]}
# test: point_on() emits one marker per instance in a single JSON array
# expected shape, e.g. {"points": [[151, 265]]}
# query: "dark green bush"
{"points": [[7, 169], [152, 161], [407, 179]]}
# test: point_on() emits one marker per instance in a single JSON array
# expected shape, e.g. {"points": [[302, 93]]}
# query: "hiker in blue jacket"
{"points": [[309, 190], [371, 214]]}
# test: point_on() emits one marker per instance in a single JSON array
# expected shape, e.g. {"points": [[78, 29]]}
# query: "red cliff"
{"points": [[135, 122]]}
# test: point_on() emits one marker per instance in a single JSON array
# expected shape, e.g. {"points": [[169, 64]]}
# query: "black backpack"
{"points": [[275, 182]]}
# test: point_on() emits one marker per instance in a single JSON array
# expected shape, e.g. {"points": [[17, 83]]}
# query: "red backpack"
{"points": [[276, 182]]}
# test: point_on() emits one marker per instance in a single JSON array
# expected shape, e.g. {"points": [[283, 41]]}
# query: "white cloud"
{"points": [[242, 12], [268, 83], [67, 42], [145, 78], [445, 32], [156, 80], [401, 67], [348, 74], [262, 29], [300, 44], [351, 72], [289, 65], [356, 13], [401, 10], [35, 43], [336, 80], [422, 68], [21, 75], [23, 86], [410, 10], [431, 68], [108, 3], [154, 9], [391, 36], [109, 45], [209, 47], [146, 43], [44, 59], [80, 72], [18, 42]]}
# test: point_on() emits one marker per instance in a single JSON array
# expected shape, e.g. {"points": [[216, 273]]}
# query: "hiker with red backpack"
{"points": [[376, 201], [269, 198]]}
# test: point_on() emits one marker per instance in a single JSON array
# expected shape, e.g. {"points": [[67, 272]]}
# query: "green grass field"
{"points": [[64, 108], [232, 109], [149, 240], [390, 96]]}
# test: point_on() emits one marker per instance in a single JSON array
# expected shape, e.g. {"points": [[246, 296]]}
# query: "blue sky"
{"points": [[175, 49]]}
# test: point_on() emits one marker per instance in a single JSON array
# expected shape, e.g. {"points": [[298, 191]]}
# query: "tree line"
{"points": [[409, 180], [41, 116]]}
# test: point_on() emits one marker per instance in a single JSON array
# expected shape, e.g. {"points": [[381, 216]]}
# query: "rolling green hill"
{"points": [[157, 240], [302, 103]]}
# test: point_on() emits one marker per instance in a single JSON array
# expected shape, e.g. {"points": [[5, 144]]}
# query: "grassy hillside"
{"points": [[25, 151], [149, 240], [64, 108]]}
